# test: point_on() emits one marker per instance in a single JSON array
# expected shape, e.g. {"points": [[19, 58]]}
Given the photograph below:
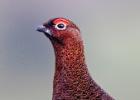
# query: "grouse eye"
{"points": [[60, 26]]}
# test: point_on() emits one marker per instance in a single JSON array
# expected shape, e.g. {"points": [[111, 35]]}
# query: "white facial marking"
{"points": [[60, 26], [48, 31]]}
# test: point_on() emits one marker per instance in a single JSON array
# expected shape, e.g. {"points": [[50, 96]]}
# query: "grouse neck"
{"points": [[70, 54], [72, 80], [70, 69]]}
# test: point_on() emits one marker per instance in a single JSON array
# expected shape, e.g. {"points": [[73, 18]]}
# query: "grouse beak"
{"points": [[43, 29], [48, 33]]}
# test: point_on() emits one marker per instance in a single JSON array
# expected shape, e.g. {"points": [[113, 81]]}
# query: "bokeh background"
{"points": [[111, 34]]}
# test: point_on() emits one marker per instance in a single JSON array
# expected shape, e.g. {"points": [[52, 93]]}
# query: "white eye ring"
{"points": [[60, 26]]}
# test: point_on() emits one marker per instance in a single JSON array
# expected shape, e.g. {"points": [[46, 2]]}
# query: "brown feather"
{"points": [[72, 80]]}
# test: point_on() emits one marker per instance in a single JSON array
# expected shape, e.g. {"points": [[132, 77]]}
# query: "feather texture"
{"points": [[72, 80]]}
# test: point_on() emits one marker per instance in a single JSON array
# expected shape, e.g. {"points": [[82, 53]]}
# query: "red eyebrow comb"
{"points": [[58, 20]]}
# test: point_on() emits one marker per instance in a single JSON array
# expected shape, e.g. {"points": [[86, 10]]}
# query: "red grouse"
{"points": [[72, 80]]}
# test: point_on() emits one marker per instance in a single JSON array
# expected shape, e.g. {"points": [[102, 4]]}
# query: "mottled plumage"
{"points": [[71, 80]]}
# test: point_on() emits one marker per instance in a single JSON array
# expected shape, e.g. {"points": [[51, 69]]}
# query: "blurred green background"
{"points": [[111, 33]]}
